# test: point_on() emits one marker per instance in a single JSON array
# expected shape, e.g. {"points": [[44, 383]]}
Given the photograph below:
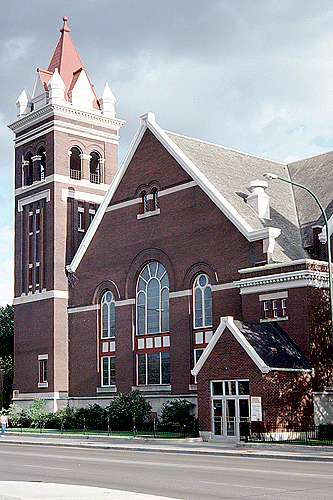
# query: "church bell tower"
{"points": [[66, 143]]}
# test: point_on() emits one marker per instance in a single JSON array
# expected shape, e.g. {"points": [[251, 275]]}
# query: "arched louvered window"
{"points": [[75, 163], [95, 167], [202, 301], [29, 178], [155, 199], [153, 299], [42, 170], [144, 202]]}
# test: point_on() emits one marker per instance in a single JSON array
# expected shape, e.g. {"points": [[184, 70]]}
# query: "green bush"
{"points": [[92, 417], [35, 415], [178, 412], [125, 408], [14, 414]]}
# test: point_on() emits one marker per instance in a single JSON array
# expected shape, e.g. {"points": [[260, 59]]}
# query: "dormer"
{"points": [[107, 102], [40, 93], [23, 103], [80, 93], [56, 88]]}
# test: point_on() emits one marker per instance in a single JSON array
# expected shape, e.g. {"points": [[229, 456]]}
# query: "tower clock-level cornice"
{"points": [[67, 111]]}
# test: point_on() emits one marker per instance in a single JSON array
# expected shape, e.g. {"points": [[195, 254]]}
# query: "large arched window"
{"points": [[75, 163], [108, 321], [95, 167], [153, 299], [202, 301]]}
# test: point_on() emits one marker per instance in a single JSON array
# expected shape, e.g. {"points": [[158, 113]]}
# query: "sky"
{"points": [[255, 76]]}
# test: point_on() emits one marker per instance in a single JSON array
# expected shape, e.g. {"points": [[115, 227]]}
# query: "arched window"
{"points": [[154, 192], [95, 167], [108, 321], [42, 154], [144, 207], [153, 299], [75, 164], [30, 170], [202, 301]]}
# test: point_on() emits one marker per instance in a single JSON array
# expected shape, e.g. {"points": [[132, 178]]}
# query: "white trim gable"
{"points": [[267, 234], [228, 322]]}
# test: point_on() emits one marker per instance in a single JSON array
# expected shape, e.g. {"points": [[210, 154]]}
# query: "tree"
{"points": [[7, 350], [125, 407]]}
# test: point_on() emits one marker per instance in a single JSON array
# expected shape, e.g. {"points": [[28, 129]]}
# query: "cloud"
{"points": [[14, 49]]}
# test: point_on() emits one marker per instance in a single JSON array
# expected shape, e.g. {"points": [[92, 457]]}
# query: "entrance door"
{"points": [[230, 417]]}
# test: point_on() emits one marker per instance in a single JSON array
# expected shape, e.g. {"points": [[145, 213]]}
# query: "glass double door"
{"points": [[230, 417]]}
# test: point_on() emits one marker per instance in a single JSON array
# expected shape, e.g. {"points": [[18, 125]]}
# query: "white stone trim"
{"points": [[79, 309], [177, 188], [41, 357], [123, 204], [149, 213], [101, 390], [272, 296], [43, 295], [223, 286], [65, 110], [83, 183], [296, 279], [181, 293], [42, 385], [282, 264], [152, 388], [34, 197], [272, 320], [125, 302]]}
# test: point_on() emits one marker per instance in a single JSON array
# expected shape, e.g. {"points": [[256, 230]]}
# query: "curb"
{"points": [[150, 447]]}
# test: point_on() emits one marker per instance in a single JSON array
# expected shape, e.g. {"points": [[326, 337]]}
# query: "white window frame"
{"points": [[202, 289], [111, 325], [142, 293], [108, 358]]}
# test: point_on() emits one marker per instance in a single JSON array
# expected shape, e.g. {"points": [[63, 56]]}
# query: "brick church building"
{"points": [[181, 273]]}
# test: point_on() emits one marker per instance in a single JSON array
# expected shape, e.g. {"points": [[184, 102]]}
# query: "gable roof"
{"points": [[223, 175], [265, 343]]}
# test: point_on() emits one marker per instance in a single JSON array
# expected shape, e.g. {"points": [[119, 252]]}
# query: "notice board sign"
{"points": [[256, 414]]}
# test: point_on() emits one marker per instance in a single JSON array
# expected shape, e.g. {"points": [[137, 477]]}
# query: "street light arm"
{"points": [[270, 177]]}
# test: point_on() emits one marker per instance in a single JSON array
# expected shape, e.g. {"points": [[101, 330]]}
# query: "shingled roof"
{"points": [[316, 174], [265, 343], [272, 345], [230, 172]]}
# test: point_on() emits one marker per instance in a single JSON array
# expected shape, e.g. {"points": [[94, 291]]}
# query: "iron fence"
{"points": [[296, 434]]}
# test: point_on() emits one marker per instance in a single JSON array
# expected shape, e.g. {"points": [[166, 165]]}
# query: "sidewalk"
{"points": [[193, 446]]}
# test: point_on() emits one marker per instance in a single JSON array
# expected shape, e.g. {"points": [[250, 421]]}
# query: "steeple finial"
{"points": [[65, 27]]}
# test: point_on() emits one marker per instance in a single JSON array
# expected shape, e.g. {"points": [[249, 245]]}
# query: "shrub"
{"points": [[126, 407], [178, 412], [34, 415], [14, 414], [92, 417], [64, 417]]}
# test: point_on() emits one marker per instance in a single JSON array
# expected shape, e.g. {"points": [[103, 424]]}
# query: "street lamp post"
{"points": [[270, 177]]}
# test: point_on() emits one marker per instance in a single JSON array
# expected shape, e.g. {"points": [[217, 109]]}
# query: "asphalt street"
{"points": [[43, 467]]}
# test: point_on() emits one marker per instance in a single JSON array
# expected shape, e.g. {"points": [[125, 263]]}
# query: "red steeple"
{"points": [[67, 60]]}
